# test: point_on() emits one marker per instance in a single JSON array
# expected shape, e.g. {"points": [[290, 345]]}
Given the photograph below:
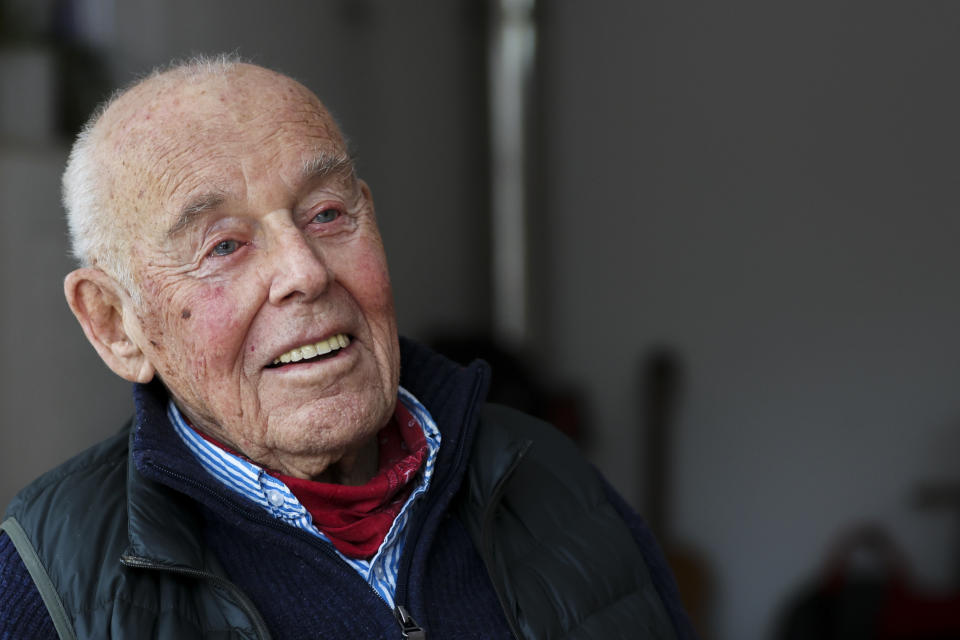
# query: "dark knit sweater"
{"points": [[297, 583]]}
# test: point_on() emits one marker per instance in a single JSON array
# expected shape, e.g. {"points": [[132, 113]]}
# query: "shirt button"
{"points": [[275, 497]]}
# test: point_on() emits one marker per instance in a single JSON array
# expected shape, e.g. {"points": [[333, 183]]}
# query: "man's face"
{"points": [[255, 248]]}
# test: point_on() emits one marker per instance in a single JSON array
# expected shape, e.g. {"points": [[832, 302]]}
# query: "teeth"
{"points": [[332, 343]]}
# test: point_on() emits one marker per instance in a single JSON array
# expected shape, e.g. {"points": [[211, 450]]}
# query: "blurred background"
{"points": [[731, 275]]}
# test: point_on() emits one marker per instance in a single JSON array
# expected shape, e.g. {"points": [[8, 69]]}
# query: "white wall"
{"points": [[772, 190]]}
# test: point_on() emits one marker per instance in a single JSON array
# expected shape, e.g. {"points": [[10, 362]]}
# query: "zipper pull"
{"points": [[409, 626]]}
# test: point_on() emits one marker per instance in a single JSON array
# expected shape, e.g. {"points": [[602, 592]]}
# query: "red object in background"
{"points": [[866, 592], [911, 615]]}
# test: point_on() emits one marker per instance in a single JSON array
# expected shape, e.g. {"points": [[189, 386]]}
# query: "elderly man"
{"points": [[294, 469]]}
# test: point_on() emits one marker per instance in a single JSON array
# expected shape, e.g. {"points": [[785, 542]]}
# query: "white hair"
{"points": [[91, 221]]}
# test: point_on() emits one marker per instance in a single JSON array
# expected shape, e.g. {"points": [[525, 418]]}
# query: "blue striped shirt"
{"points": [[274, 497]]}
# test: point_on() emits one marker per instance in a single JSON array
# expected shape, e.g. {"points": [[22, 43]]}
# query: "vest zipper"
{"points": [[409, 626], [403, 570], [399, 612], [487, 540], [137, 562]]}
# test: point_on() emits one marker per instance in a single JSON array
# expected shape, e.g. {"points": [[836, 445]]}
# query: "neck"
{"points": [[354, 468]]}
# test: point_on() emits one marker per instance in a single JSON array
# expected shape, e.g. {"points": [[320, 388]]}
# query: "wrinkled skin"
{"points": [[268, 260]]}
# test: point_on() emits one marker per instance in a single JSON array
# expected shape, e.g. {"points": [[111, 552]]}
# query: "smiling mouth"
{"points": [[315, 351]]}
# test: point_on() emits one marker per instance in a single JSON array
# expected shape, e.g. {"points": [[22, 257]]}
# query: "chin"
{"points": [[341, 424]]}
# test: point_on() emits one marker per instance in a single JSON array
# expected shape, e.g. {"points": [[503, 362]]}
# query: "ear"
{"points": [[99, 303], [365, 190]]}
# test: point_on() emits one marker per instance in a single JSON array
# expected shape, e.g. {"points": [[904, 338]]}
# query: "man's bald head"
{"points": [[128, 159]]}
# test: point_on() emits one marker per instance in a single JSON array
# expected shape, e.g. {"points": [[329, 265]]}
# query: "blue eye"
{"points": [[327, 215], [225, 248]]}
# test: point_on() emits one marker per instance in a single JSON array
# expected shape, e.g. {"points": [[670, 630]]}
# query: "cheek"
{"points": [[201, 329], [214, 323], [207, 311], [370, 288], [370, 283]]}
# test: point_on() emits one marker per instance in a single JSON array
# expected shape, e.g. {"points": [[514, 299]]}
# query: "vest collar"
{"points": [[162, 524]]}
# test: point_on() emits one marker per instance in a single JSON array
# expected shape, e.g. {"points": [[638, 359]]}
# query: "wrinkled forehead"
{"points": [[172, 136]]}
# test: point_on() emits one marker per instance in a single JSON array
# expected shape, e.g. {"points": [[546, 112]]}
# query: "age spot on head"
{"points": [[185, 314]]}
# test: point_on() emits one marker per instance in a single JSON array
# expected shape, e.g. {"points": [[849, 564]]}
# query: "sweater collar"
{"points": [[449, 391]]}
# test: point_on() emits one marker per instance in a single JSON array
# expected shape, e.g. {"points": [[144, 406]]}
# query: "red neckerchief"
{"points": [[357, 519]]}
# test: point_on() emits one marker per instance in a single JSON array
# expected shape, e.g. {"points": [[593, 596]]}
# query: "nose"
{"points": [[298, 271]]}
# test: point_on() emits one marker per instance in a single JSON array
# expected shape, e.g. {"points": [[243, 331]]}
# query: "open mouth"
{"points": [[311, 352]]}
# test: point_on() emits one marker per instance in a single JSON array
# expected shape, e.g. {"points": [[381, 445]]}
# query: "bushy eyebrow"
{"points": [[193, 208], [325, 163]]}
